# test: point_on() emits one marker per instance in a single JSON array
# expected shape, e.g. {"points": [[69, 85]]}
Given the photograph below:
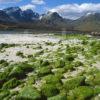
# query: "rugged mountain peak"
{"points": [[12, 9], [51, 16], [17, 15], [54, 14], [30, 13]]}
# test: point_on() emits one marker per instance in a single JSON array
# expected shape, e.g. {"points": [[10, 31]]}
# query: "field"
{"points": [[49, 67]]}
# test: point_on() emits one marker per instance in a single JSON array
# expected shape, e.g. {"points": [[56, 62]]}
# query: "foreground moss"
{"points": [[67, 72], [81, 93], [28, 93]]}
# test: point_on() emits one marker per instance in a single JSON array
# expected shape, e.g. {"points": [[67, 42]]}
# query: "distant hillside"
{"points": [[14, 17], [89, 22]]}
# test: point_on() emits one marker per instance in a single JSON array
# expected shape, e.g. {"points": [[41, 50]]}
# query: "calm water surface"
{"points": [[24, 37]]}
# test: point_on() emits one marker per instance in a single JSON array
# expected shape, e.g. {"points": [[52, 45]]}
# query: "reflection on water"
{"points": [[21, 37]]}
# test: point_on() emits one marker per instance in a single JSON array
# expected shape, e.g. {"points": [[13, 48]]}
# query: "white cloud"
{"points": [[9, 1], [33, 4], [28, 6], [38, 2], [74, 11]]}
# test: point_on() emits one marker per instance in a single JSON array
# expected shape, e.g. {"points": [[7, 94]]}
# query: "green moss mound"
{"points": [[58, 97], [49, 90], [74, 82], [52, 79], [28, 93], [19, 71], [81, 93], [11, 84], [93, 79], [4, 94], [43, 71], [97, 90], [45, 63], [59, 63]]}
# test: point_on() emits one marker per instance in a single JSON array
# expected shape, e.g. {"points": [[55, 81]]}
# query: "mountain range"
{"points": [[14, 17]]}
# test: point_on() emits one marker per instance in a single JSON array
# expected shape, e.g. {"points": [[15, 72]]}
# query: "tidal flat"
{"points": [[49, 67]]}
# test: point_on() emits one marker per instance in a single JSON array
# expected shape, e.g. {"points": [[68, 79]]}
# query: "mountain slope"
{"points": [[53, 19], [15, 17], [19, 16], [90, 22], [30, 19], [4, 17]]}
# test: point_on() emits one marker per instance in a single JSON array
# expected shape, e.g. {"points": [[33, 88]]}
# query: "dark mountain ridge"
{"points": [[14, 17]]}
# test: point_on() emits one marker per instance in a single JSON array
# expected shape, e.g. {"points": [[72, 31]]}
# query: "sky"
{"points": [[71, 9]]}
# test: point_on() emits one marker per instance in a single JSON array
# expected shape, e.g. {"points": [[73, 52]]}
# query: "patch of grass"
{"points": [[58, 97], [49, 43], [11, 84], [49, 90], [93, 79], [28, 93], [4, 76], [78, 64], [31, 79], [20, 54], [5, 45], [80, 93], [4, 94], [52, 79], [70, 57], [59, 63], [42, 71], [39, 53], [96, 90], [20, 70], [30, 56], [72, 36], [45, 63], [74, 82], [4, 63]]}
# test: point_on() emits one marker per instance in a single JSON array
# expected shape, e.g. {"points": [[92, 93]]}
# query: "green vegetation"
{"points": [[43, 71], [4, 63], [20, 70], [4, 94], [49, 90], [28, 93], [53, 79], [74, 82], [93, 79], [19, 53], [11, 84], [4, 45], [68, 69], [80, 93], [58, 97]]}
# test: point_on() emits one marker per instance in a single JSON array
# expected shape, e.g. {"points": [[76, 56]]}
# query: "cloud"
{"points": [[74, 11], [33, 4], [9, 1], [28, 6], [38, 2]]}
